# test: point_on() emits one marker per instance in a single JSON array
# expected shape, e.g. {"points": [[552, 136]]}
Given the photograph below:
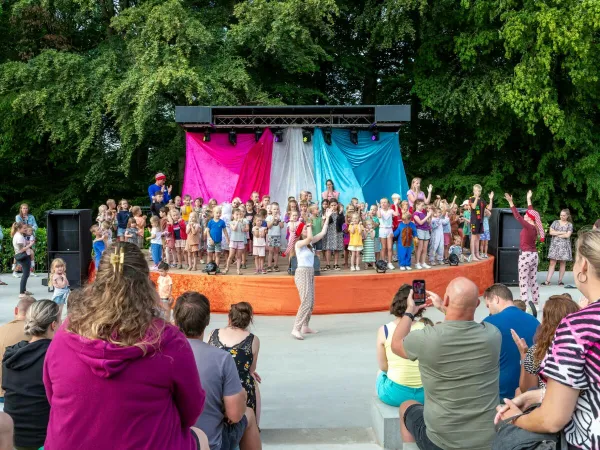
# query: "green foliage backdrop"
{"points": [[504, 93]]}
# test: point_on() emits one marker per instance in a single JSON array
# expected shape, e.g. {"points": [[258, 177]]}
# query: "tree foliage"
{"points": [[503, 92]]}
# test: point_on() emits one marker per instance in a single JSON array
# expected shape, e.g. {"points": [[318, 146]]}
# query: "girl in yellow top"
{"points": [[186, 208], [399, 379], [355, 246]]}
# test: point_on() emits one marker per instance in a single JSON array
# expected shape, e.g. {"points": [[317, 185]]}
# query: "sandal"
{"points": [[275, 268], [2, 283], [560, 283], [546, 283], [336, 267], [269, 269], [326, 268]]}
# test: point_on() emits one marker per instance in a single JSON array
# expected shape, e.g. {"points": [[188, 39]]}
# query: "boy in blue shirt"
{"points": [[215, 230], [405, 233], [506, 317], [99, 243]]}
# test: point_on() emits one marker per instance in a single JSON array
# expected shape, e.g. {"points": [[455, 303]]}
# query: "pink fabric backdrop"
{"points": [[219, 170]]}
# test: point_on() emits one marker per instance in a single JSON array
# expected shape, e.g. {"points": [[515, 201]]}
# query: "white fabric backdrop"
{"points": [[292, 168]]}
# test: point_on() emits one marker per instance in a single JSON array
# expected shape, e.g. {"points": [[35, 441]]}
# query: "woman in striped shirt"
{"points": [[571, 368]]}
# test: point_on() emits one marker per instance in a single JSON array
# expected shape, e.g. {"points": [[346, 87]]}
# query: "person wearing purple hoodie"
{"points": [[116, 375]]}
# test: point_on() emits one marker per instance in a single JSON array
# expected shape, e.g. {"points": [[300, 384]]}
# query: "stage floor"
{"points": [[336, 292]]}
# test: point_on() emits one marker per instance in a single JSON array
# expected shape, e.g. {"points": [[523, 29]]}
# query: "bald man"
{"points": [[458, 362], [13, 332]]}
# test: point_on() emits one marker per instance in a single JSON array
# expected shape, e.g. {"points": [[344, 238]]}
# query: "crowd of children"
{"points": [[185, 233]]}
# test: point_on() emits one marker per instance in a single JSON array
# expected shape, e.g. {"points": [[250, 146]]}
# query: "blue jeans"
{"points": [[156, 251], [394, 394]]}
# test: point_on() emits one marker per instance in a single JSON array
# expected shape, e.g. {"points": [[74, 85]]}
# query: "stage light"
{"points": [[375, 135], [327, 135], [232, 137], [206, 137], [354, 136], [306, 136], [278, 136], [257, 135]]}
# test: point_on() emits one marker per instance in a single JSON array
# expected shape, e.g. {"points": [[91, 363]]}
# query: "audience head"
{"points": [[121, 305], [497, 297], [192, 314], [399, 302], [241, 315], [565, 215], [22, 307], [163, 268], [521, 305], [461, 299], [555, 309], [586, 268], [42, 319], [427, 321]]}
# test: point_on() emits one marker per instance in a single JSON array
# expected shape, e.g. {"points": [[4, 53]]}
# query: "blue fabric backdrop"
{"points": [[368, 171]]}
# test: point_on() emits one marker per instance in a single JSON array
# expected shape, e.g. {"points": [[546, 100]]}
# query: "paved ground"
{"points": [[324, 382]]}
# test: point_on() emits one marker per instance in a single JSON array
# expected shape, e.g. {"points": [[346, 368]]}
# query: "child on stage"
{"points": [[274, 226], [214, 232], [423, 223], [355, 244], [405, 233], [369, 244]]}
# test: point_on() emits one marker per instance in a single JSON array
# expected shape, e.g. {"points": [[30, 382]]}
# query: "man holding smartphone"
{"points": [[458, 362]]}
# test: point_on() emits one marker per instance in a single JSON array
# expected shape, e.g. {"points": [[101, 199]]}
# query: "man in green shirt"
{"points": [[458, 361]]}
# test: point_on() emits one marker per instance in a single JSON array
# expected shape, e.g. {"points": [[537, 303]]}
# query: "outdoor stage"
{"points": [[336, 291]]}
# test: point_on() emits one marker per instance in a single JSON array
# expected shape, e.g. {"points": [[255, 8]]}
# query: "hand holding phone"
{"points": [[419, 292]]}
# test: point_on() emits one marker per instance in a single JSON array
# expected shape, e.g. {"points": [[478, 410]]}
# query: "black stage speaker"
{"points": [[294, 264], [505, 233], [70, 239]]}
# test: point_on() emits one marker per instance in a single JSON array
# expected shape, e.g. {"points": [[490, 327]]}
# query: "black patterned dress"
{"points": [[243, 357]]}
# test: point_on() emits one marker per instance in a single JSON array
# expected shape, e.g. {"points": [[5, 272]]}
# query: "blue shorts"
{"points": [[232, 434], [485, 236], [395, 394], [318, 246], [60, 299], [120, 232]]}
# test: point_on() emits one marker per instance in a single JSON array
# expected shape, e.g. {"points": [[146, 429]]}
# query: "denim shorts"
{"points": [[120, 232], [485, 236], [415, 424], [60, 299], [215, 247], [423, 235], [232, 434]]}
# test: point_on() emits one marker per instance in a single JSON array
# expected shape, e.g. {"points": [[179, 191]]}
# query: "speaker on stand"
{"points": [[505, 233], [70, 239]]}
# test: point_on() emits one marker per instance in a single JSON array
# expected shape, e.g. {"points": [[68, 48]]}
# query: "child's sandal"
{"points": [[275, 268]]}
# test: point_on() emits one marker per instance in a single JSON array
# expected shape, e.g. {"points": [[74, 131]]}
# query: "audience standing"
{"points": [[226, 419], [458, 361], [26, 218], [22, 256], [399, 379], [22, 366], [570, 368], [13, 332], [505, 316], [560, 247], [119, 375]]}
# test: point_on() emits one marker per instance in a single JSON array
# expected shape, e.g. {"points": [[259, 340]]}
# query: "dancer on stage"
{"points": [[305, 274]]}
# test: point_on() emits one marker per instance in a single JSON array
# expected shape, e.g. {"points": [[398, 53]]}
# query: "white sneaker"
{"points": [[418, 266], [408, 268], [357, 267], [426, 266], [201, 261], [402, 268], [32, 274], [352, 268], [391, 266], [16, 275]]}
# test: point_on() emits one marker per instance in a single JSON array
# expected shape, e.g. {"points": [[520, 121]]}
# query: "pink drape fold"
{"points": [[222, 171]]}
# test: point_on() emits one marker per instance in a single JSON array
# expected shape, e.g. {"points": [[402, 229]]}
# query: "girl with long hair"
{"points": [[415, 193], [116, 354]]}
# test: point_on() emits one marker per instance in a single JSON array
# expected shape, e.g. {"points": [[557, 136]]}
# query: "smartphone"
{"points": [[419, 292]]}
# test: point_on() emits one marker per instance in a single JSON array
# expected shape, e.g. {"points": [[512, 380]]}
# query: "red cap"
{"points": [[160, 176]]}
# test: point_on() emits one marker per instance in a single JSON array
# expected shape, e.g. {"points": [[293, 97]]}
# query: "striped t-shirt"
{"points": [[573, 359]]}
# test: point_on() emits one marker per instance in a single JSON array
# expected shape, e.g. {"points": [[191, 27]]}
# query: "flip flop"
{"points": [[2, 283], [546, 283]]}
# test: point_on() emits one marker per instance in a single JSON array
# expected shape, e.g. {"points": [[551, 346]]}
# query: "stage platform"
{"points": [[336, 291]]}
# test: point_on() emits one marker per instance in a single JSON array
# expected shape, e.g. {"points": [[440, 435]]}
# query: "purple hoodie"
{"points": [[104, 396]]}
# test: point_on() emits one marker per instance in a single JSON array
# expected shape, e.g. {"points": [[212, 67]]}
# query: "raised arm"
{"points": [[516, 214], [529, 195], [429, 190], [489, 206]]}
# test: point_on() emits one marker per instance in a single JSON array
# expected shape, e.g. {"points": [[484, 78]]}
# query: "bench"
{"points": [[385, 420]]}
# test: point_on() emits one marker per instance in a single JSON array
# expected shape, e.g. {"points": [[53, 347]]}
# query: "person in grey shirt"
{"points": [[458, 361], [226, 420]]}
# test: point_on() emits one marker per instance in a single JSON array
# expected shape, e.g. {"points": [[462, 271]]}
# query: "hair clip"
{"points": [[117, 259]]}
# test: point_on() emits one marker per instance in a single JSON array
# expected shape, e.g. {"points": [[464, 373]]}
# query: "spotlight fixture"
{"points": [[375, 135], [278, 136], [232, 137], [306, 136], [354, 136], [257, 134], [206, 137], [327, 135]]}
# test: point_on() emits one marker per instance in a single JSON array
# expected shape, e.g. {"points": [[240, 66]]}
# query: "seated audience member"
{"points": [[22, 368], [521, 305], [14, 331], [244, 347], [570, 368], [117, 375], [506, 317], [458, 361], [399, 379], [555, 309], [6, 432], [226, 419]]}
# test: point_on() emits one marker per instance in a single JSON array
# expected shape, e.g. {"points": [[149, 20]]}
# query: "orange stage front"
{"points": [[336, 292]]}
